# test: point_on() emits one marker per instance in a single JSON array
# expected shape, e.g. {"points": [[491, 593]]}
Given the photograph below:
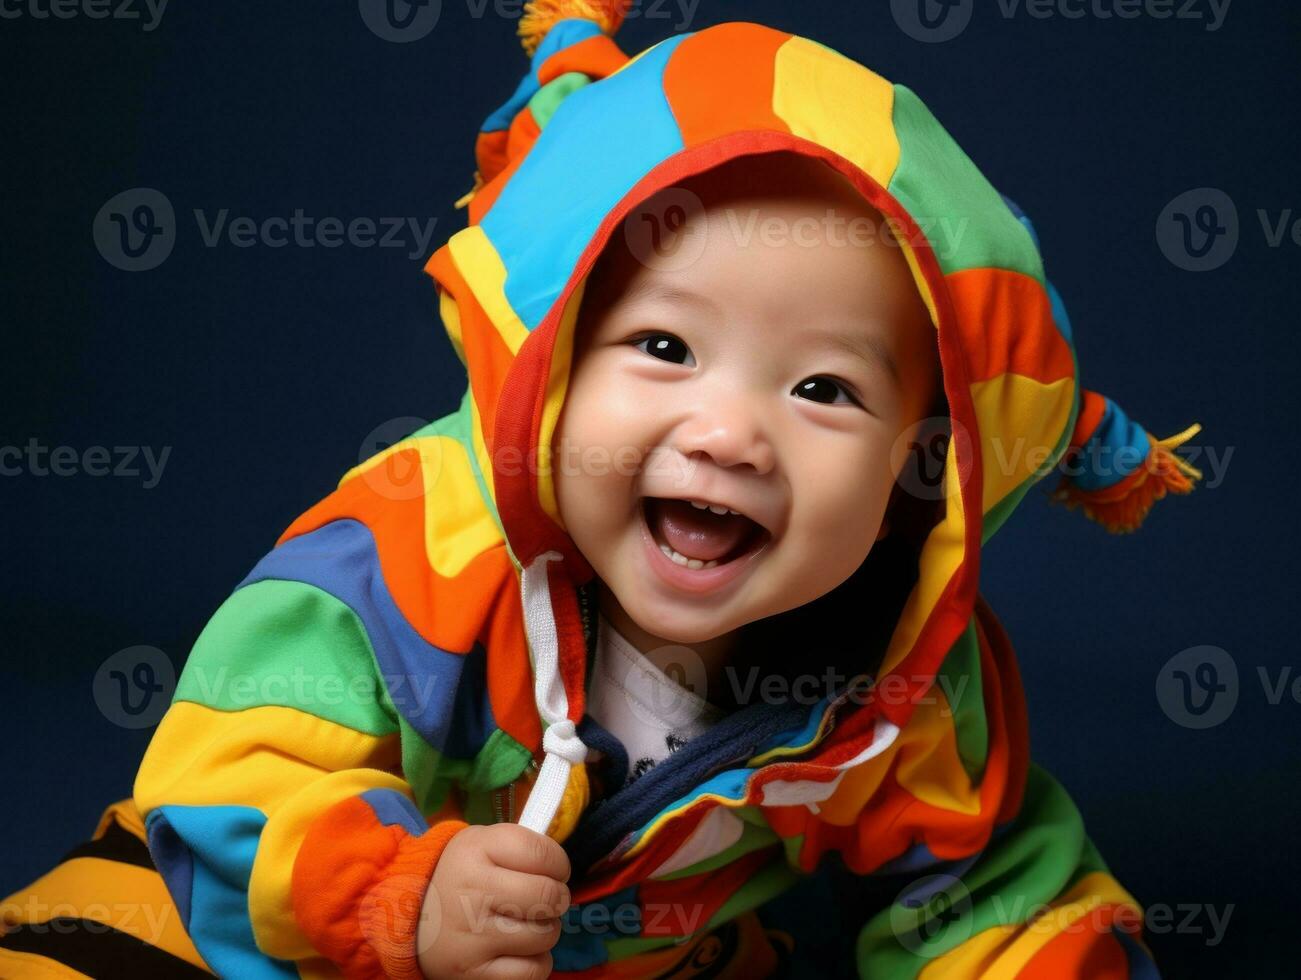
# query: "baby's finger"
{"points": [[520, 849], [508, 936], [523, 895], [515, 968]]}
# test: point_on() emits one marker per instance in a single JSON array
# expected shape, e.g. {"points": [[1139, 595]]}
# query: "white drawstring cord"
{"points": [[561, 745]]}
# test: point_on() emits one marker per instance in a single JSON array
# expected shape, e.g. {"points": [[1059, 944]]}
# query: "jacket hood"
{"points": [[587, 135]]}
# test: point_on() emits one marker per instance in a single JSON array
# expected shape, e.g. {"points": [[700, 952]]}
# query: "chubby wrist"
{"points": [[390, 915], [359, 888]]}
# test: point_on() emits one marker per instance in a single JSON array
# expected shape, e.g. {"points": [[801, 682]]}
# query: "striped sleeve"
{"points": [[1037, 903], [273, 792]]}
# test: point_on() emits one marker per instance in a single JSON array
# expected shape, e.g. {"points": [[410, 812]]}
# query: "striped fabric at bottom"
{"points": [[102, 912]]}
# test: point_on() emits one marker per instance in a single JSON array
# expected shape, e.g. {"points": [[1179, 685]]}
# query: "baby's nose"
{"points": [[732, 436]]}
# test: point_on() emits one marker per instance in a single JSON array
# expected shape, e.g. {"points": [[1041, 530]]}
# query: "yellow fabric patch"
{"points": [[1035, 411], [929, 767], [485, 272], [458, 524], [1002, 952], [289, 764], [816, 89], [129, 898], [451, 315], [557, 385], [481, 448], [940, 557], [33, 967]]}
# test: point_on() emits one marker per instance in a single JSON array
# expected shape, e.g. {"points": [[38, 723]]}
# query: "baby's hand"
{"points": [[494, 904]]}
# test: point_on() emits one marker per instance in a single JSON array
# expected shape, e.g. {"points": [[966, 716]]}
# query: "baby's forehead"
{"points": [[736, 200], [783, 181]]}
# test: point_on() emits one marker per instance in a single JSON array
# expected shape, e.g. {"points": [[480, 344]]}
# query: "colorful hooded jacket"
{"points": [[412, 654]]}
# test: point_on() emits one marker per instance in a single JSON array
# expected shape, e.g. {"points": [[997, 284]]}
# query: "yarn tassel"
{"points": [[541, 15], [468, 196], [1121, 508]]}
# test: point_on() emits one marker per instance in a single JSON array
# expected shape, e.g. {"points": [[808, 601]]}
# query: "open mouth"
{"points": [[697, 536]]}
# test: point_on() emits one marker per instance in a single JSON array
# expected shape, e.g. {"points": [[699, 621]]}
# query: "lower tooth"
{"points": [[680, 559]]}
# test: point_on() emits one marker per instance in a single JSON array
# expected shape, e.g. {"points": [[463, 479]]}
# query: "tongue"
{"points": [[697, 533]]}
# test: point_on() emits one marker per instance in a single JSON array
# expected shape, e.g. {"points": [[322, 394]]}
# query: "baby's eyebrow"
{"points": [[654, 289], [869, 347]]}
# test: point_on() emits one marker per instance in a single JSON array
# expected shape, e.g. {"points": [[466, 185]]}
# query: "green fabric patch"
{"points": [[769, 881], [547, 99], [960, 213], [1033, 862], [959, 680], [293, 645]]}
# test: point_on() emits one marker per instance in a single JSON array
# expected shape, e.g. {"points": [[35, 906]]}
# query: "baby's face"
{"points": [[772, 376]]}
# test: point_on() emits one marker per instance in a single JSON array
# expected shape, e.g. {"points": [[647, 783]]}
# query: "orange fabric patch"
{"points": [[1006, 323], [524, 130], [744, 57], [490, 154], [363, 914], [1081, 952], [488, 360], [1092, 408], [596, 57]]}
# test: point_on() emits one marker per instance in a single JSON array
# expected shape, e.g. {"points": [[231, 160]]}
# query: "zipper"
{"points": [[503, 798]]}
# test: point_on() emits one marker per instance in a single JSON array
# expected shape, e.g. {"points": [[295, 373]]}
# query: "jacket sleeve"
{"points": [[1037, 902], [272, 791]]}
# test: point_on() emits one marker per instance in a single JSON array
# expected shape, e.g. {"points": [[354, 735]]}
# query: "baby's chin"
{"points": [[685, 620]]}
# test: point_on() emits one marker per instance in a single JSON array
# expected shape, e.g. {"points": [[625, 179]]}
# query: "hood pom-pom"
{"points": [[1122, 508], [541, 15]]}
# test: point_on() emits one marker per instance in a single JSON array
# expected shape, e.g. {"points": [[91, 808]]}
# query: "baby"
{"points": [[773, 377], [663, 655]]}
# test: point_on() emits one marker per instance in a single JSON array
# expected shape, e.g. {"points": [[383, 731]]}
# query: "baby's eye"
{"points": [[823, 390], [666, 347]]}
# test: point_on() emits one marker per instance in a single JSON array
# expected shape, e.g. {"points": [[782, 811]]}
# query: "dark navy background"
{"points": [[267, 370]]}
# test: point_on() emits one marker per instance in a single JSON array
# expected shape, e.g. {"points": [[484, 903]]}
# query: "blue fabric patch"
{"points": [[708, 763], [472, 718], [392, 807], [223, 841], [1059, 314], [1141, 966], [592, 143], [585, 929], [1022, 217], [1116, 449], [802, 735], [173, 861], [564, 34], [340, 558]]}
